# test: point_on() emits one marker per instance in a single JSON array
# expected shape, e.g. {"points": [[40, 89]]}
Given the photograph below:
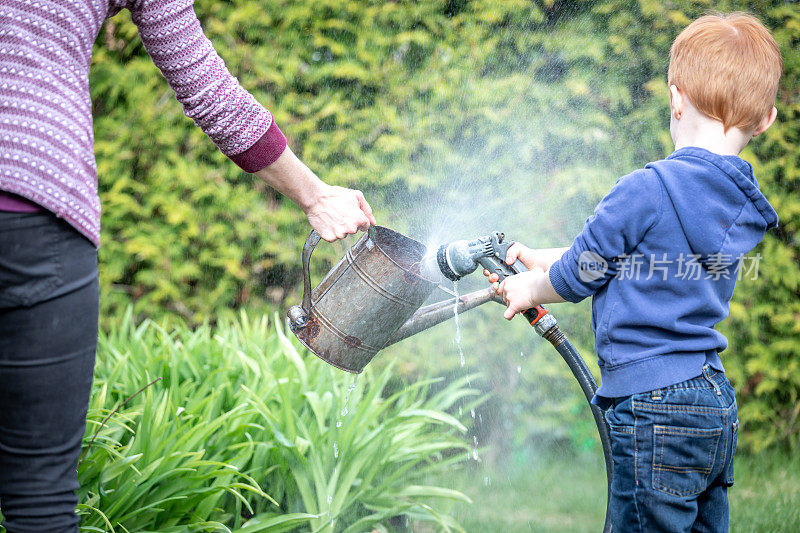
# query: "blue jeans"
{"points": [[673, 454]]}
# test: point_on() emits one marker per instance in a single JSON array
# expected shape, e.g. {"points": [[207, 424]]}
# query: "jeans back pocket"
{"points": [[683, 458]]}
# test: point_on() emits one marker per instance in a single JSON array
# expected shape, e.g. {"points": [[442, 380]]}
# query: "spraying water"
{"points": [[330, 509], [504, 170], [457, 341]]}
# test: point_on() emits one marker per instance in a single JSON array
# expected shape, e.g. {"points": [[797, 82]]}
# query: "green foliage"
{"points": [[764, 326], [243, 432], [397, 98], [533, 403]]}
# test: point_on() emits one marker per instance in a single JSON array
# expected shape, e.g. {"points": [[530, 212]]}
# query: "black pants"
{"points": [[48, 338]]}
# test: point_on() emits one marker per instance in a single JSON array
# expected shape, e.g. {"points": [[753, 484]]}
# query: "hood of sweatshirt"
{"points": [[734, 212]]}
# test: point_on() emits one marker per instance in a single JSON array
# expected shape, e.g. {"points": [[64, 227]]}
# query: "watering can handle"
{"points": [[308, 248]]}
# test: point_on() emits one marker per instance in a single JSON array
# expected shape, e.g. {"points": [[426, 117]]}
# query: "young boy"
{"points": [[661, 256]]}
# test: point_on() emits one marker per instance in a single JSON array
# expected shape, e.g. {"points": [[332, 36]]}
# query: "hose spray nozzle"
{"points": [[459, 258]]}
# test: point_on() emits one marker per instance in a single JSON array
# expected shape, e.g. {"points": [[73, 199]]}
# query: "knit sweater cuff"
{"points": [[264, 152], [560, 284]]}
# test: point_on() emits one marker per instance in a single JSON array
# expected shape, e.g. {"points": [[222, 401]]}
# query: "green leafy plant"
{"points": [[244, 432]]}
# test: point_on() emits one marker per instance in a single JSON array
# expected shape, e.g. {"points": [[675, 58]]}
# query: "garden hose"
{"points": [[588, 385], [460, 258]]}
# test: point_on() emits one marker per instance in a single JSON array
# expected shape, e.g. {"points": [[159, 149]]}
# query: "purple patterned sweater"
{"points": [[46, 137]]}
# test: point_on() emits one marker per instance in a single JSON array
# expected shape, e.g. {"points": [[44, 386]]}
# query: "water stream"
{"points": [[350, 389], [343, 413], [457, 342]]}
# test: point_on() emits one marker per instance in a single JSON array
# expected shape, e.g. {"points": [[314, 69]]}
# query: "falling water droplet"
{"points": [[472, 413], [457, 338], [330, 499], [519, 369], [350, 389], [335, 449]]}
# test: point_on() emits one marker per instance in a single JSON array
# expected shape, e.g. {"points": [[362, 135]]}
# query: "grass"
{"points": [[766, 494], [567, 494]]}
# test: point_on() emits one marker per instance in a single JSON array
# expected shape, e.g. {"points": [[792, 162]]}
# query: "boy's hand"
{"points": [[541, 258], [526, 255], [524, 291], [518, 291]]}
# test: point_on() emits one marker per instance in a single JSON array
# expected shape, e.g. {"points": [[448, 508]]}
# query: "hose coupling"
{"points": [[545, 324]]}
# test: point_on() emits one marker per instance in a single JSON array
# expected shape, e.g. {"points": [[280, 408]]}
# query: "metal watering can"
{"points": [[371, 299]]}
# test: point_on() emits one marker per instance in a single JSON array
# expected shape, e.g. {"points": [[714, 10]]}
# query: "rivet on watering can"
{"points": [[312, 329]]}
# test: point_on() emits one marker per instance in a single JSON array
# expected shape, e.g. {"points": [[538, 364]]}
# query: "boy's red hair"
{"points": [[729, 66]]}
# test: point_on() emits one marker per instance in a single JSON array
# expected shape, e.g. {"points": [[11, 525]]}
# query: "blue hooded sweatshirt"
{"points": [[661, 256]]}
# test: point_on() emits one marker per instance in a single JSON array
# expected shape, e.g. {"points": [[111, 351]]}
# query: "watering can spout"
{"points": [[434, 314]]}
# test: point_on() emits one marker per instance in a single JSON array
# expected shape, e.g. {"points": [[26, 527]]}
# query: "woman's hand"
{"points": [[338, 212], [332, 211]]}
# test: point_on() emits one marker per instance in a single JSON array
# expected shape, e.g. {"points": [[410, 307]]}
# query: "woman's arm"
{"points": [[241, 127]]}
